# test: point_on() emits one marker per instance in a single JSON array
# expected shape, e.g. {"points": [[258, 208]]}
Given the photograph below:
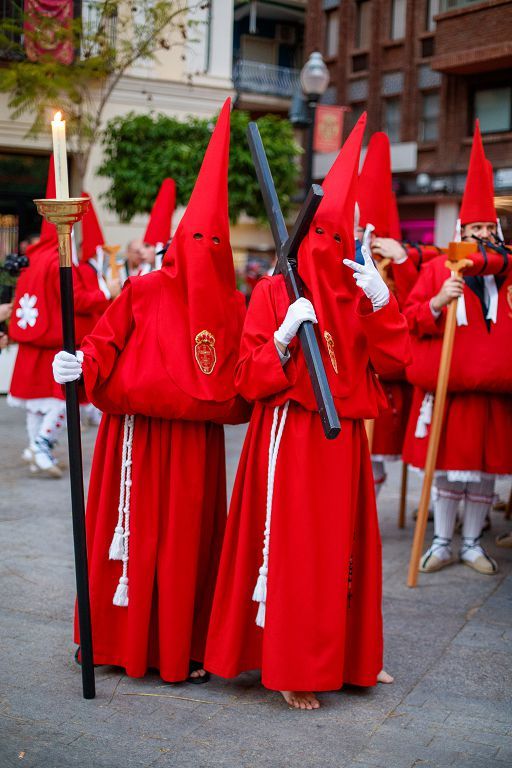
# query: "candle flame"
{"points": [[57, 118]]}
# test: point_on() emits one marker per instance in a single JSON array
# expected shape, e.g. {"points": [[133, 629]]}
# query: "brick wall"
{"points": [[469, 27]]}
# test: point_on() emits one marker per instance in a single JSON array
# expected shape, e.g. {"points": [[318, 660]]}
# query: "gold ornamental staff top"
{"points": [[63, 213]]}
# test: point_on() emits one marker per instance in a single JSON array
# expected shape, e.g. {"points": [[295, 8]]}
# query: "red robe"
{"points": [[38, 344], [478, 415], [323, 622], [178, 493]]}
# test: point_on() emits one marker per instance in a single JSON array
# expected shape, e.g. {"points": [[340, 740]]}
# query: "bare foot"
{"points": [[300, 699], [385, 677], [198, 673]]}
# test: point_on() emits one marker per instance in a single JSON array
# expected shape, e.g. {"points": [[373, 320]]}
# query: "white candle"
{"points": [[60, 157]]}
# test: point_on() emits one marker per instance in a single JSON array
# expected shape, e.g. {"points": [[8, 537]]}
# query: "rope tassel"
{"points": [[260, 590], [425, 416], [119, 546]]}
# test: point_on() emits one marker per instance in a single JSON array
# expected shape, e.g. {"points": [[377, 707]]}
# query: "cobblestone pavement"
{"points": [[447, 643]]}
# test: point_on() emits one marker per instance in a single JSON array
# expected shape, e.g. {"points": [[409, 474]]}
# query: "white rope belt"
{"points": [[260, 590], [119, 548]]}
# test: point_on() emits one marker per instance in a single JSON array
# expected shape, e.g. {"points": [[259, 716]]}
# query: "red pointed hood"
{"points": [[374, 189], [328, 282], [478, 199], [49, 231], [92, 236], [200, 319], [159, 225]]}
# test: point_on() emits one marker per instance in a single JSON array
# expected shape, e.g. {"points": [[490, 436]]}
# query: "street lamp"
{"points": [[314, 79]]}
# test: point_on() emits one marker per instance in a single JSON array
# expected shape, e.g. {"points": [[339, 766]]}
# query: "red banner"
{"points": [[44, 24], [328, 128]]}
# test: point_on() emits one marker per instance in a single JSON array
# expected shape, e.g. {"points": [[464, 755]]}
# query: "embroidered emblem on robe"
{"points": [[205, 351], [27, 312], [330, 348], [509, 299]]}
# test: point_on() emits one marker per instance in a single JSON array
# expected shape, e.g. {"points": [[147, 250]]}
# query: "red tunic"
{"points": [[323, 622], [178, 495], [38, 343], [478, 415]]}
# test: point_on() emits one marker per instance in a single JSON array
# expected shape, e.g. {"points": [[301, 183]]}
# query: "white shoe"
{"points": [[44, 459], [437, 556], [476, 557], [28, 456]]}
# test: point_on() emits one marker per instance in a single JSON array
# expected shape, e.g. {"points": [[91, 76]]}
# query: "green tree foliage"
{"points": [[116, 35], [141, 150]]}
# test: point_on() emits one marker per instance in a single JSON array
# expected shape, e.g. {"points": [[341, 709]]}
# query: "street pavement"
{"points": [[447, 643]]}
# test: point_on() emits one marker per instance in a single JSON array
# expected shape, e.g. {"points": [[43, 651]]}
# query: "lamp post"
{"points": [[314, 79]]}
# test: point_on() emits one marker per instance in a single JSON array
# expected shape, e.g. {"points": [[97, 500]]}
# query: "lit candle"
{"points": [[60, 157]]}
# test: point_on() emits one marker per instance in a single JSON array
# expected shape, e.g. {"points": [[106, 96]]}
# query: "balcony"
{"points": [[473, 36], [265, 79]]}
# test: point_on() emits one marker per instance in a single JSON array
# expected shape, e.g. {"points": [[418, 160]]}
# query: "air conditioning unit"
{"points": [[286, 34]]}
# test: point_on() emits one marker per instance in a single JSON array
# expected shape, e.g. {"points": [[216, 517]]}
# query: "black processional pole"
{"points": [[287, 247], [65, 213]]}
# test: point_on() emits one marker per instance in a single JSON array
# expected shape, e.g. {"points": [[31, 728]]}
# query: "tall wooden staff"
{"points": [[112, 251], [456, 263], [403, 497], [65, 213]]}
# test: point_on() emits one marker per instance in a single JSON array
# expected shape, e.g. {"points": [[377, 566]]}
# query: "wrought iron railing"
{"points": [[266, 79]]}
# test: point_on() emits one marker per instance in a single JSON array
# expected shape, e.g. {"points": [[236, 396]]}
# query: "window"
{"points": [[432, 10], [360, 62], [429, 123], [391, 119], [427, 47], [332, 30], [363, 24], [493, 107], [261, 49], [398, 13]]}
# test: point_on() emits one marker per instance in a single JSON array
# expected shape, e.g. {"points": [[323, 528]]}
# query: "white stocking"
{"points": [[53, 422], [445, 507], [34, 421], [479, 498]]}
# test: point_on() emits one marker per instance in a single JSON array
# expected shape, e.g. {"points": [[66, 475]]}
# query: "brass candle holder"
{"points": [[65, 213]]}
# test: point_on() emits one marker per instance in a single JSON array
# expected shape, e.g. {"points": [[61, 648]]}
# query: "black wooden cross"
{"points": [[287, 247]]}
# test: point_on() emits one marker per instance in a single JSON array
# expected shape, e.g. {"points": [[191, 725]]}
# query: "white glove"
{"points": [[67, 367], [298, 312], [368, 278]]}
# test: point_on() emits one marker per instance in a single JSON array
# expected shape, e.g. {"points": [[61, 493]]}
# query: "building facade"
{"points": [[424, 70], [194, 80]]}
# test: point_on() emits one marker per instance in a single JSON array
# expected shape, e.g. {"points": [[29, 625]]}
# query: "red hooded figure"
{"points": [[482, 353], [322, 548], [37, 327], [378, 208], [160, 364], [475, 441]]}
